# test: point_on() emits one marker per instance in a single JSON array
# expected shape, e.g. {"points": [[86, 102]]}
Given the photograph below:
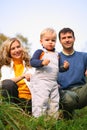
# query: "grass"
{"points": [[12, 117]]}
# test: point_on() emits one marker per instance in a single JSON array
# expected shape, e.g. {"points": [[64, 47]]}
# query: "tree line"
{"points": [[24, 40]]}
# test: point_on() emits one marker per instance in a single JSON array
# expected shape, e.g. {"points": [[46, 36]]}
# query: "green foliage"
{"points": [[13, 117], [22, 38], [2, 38], [24, 41]]}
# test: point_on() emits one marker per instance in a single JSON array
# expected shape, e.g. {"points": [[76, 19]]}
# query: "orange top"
{"points": [[23, 90]]}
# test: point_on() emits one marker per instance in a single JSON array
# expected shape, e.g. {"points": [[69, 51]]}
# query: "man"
{"points": [[73, 86]]}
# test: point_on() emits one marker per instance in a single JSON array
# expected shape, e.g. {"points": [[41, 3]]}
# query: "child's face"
{"points": [[48, 41]]}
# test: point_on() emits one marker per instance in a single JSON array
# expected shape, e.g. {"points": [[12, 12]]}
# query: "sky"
{"points": [[30, 17]]}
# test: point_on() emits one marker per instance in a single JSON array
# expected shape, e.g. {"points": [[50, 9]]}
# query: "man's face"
{"points": [[67, 40]]}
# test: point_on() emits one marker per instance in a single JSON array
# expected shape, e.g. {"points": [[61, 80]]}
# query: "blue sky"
{"points": [[30, 17]]}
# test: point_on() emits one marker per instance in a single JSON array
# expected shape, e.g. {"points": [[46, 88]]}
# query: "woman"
{"points": [[15, 73]]}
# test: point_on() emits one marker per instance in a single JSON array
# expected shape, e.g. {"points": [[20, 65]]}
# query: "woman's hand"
{"points": [[27, 76]]}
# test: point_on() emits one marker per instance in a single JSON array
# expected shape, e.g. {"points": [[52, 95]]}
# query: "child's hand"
{"points": [[66, 64], [45, 62]]}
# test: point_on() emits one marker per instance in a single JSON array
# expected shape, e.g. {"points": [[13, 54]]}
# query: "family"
{"points": [[48, 81]]}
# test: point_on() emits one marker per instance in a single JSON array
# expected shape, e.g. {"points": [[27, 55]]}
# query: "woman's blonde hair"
{"points": [[5, 57]]}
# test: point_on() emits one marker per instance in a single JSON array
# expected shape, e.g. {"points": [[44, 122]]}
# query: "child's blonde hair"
{"points": [[48, 30]]}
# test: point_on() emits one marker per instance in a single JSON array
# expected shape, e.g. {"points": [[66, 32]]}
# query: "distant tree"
{"points": [[2, 38], [23, 39]]}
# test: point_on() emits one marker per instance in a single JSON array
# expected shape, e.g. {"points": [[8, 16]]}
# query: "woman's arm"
{"points": [[8, 73], [17, 79]]}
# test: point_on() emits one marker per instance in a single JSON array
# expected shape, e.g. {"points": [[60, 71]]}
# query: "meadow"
{"points": [[12, 117]]}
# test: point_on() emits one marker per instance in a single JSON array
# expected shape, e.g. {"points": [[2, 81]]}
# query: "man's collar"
{"points": [[67, 53]]}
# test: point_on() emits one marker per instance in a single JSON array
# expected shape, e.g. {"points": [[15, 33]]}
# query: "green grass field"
{"points": [[14, 118]]}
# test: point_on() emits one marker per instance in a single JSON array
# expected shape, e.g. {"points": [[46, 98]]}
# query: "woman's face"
{"points": [[16, 50]]}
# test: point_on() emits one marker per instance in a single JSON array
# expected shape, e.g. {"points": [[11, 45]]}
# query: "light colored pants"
{"points": [[45, 98]]}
